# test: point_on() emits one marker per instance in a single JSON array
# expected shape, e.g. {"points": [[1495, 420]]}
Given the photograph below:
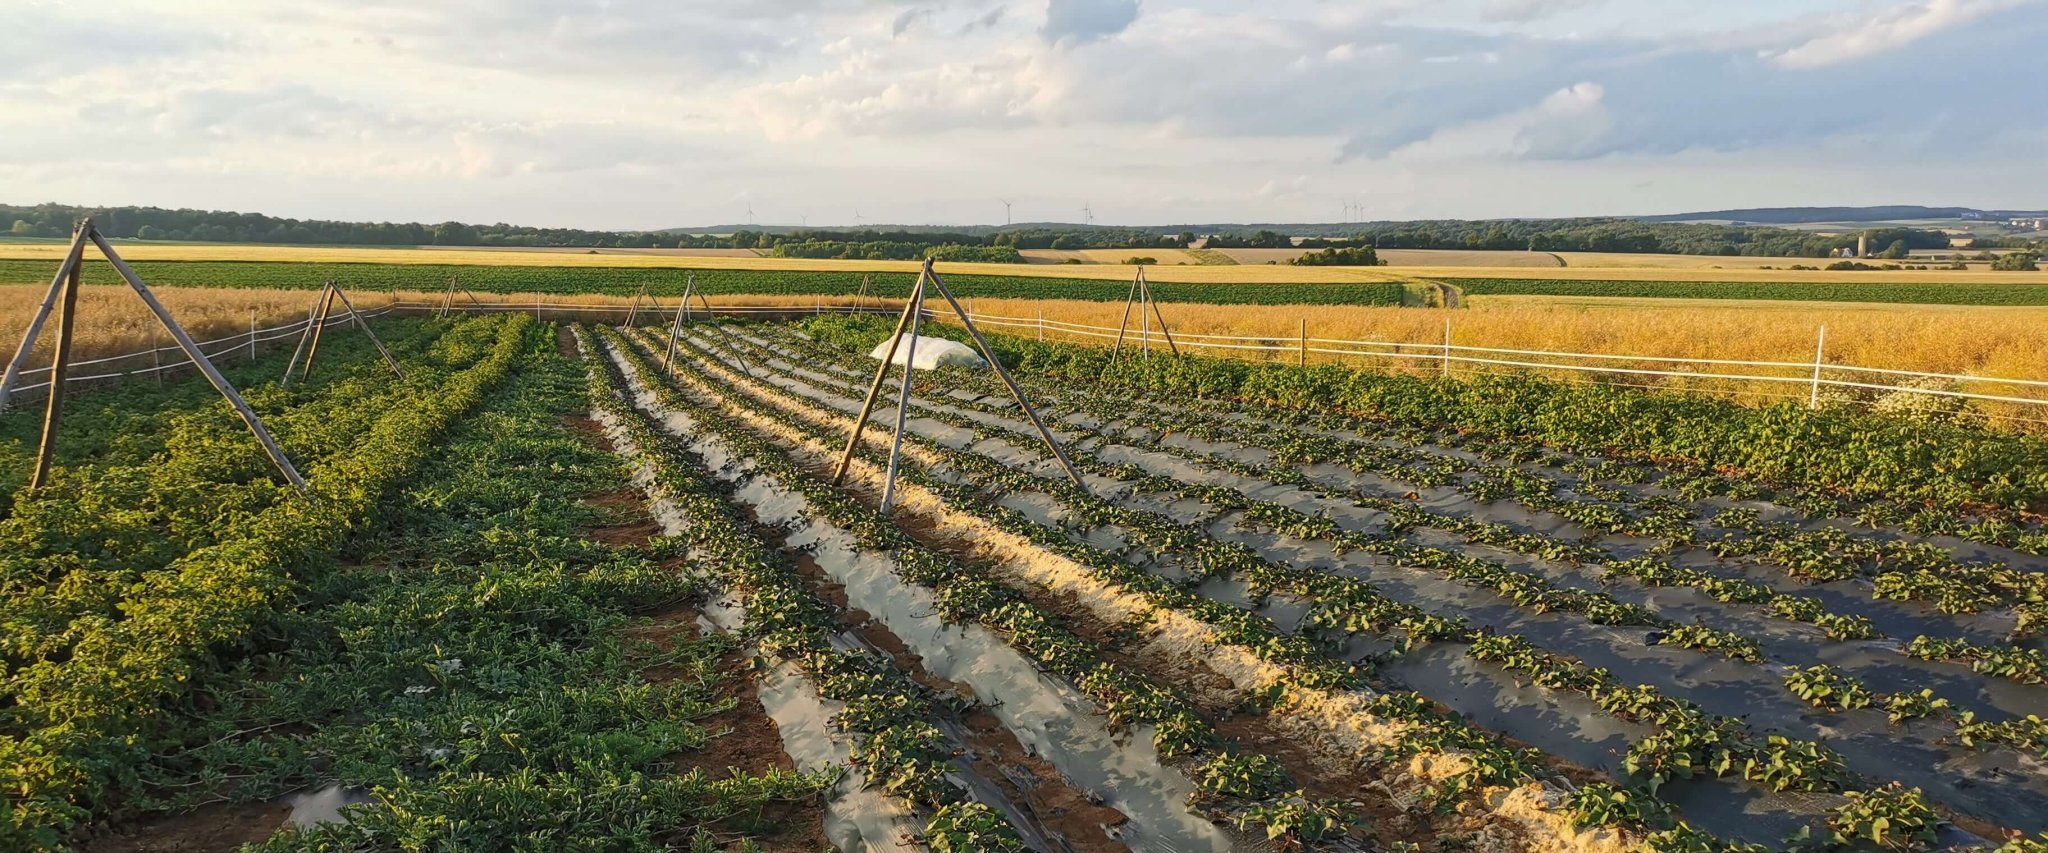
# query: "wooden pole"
{"points": [[365, 326], [688, 286], [1163, 330], [35, 324], [1820, 346], [1304, 342], [305, 334], [1041, 324], [198, 356], [1016, 393], [675, 330], [1447, 347], [447, 299], [903, 395], [156, 357], [252, 334], [1144, 312], [634, 314], [60, 363], [319, 325], [875, 388], [1124, 323]]}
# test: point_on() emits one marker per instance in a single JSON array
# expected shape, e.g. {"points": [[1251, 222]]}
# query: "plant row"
{"points": [[1252, 789], [78, 721], [1849, 456], [890, 716], [1699, 746]]}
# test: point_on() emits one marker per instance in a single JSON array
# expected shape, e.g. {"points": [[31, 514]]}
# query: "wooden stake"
{"points": [[1820, 347], [1163, 330], [319, 325], [365, 326], [305, 334], [1124, 323], [634, 314], [1304, 342], [60, 363], [35, 324], [675, 330], [875, 388], [1016, 393], [198, 356], [1447, 347], [448, 299], [903, 396]]}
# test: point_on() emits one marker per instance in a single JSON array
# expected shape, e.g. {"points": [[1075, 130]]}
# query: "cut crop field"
{"points": [[594, 588], [1878, 290]]}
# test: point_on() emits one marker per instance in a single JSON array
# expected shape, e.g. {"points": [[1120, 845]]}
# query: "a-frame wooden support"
{"points": [[634, 313], [316, 321], [1141, 298], [684, 315], [912, 321], [63, 297]]}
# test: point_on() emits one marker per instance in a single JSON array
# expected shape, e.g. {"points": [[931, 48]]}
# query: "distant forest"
{"points": [[1607, 234]]}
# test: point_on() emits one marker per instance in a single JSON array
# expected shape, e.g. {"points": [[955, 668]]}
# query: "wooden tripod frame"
{"points": [[448, 299], [1141, 297], [63, 297], [912, 321], [316, 321], [675, 329]]}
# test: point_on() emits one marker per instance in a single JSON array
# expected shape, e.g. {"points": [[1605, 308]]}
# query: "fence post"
{"points": [[1041, 324], [252, 334], [156, 358], [1447, 348], [1820, 346], [1304, 342]]}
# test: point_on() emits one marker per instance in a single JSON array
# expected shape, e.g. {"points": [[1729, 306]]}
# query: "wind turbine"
{"points": [[750, 213], [1006, 213], [1087, 216]]}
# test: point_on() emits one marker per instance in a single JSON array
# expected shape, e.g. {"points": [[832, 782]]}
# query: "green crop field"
{"points": [[625, 281], [596, 585]]}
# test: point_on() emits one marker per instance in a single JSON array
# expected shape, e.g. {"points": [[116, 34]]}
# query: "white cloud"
{"points": [[1857, 36], [618, 113]]}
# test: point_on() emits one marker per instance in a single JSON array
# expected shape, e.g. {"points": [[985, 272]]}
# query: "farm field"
{"points": [[1477, 265], [1165, 257], [1869, 290], [555, 584], [1411, 257]]}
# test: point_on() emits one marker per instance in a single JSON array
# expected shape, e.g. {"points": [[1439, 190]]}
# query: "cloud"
{"points": [[550, 110], [1860, 36], [1524, 11], [1083, 21]]}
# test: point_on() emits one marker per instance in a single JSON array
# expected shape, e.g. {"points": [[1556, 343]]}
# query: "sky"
{"points": [[627, 114]]}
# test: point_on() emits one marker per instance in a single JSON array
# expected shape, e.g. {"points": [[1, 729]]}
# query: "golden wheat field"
{"points": [[112, 321], [1969, 340]]}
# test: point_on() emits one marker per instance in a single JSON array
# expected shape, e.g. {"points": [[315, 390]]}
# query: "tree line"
{"points": [[1543, 235]]}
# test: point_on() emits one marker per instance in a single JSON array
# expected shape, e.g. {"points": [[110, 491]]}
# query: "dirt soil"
{"points": [[206, 829]]}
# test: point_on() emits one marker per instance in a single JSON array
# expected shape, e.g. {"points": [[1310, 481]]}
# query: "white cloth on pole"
{"points": [[931, 352]]}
